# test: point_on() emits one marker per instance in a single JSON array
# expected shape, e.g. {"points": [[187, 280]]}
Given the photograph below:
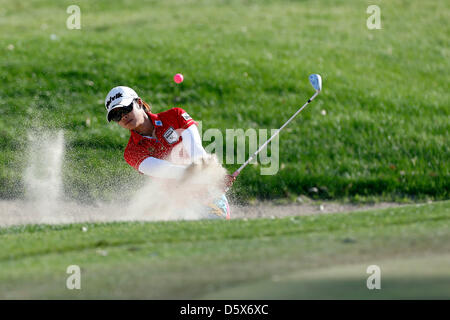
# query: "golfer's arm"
{"points": [[164, 169], [161, 168], [192, 143]]}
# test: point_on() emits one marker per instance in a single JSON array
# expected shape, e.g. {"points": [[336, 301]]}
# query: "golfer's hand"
{"points": [[229, 180]]}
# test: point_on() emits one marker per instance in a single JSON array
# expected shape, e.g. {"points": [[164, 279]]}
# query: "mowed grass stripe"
{"points": [[29, 241], [192, 268]]}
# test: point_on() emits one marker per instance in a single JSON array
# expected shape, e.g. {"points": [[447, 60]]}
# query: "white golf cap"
{"points": [[119, 97]]}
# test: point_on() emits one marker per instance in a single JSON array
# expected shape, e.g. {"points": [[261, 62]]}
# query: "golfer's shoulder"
{"points": [[172, 112], [176, 117]]}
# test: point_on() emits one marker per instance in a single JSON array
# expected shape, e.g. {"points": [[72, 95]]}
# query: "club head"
{"points": [[316, 81]]}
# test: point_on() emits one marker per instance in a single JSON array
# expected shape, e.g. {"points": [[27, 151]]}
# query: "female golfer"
{"points": [[161, 145]]}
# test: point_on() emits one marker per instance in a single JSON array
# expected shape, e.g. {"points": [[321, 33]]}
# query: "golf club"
{"points": [[316, 82]]}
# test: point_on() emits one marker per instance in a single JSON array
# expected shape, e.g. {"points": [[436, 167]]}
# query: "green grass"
{"points": [[386, 93], [318, 256]]}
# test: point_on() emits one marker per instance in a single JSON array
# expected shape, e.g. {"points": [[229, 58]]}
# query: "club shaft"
{"points": [[236, 173]]}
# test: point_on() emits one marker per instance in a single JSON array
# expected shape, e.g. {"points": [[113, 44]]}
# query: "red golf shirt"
{"points": [[168, 128]]}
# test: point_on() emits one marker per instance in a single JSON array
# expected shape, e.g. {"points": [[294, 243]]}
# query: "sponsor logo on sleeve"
{"points": [[158, 123], [171, 136], [186, 116]]}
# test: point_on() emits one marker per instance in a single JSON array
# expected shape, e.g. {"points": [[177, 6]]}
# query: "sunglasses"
{"points": [[117, 114]]}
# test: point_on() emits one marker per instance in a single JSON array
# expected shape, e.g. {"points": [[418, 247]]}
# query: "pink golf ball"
{"points": [[178, 78]]}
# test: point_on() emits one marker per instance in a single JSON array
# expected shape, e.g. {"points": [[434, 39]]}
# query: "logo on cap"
{"points": [[112, 98]]}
